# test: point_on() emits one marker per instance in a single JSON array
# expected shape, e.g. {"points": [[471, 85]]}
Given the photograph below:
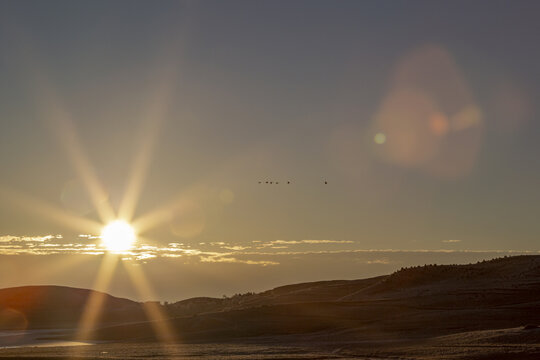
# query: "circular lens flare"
{"points": [[380, 138], [118, 236]]}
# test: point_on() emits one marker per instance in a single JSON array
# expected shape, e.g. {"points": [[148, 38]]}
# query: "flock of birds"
{"points": [[277, 182]]}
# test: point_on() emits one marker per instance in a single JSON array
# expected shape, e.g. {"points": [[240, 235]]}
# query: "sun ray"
{"points": [[137, 177], [52, 212], [58, 118], [157, 216], [61, 264], [62, 125], [94, 304], [66, 133], [150, 130], [159, 321], [197, 192]]}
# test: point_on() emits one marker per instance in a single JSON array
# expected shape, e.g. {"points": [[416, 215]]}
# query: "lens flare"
{"points": [[379, 138]]}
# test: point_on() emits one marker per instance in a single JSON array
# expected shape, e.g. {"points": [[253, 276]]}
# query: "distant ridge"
{"points": [[521, 271]]}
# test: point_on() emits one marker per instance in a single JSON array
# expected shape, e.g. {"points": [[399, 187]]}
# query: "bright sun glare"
{"points": [[118, 236]]}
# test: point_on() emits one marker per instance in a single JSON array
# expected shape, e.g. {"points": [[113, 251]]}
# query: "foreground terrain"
{"points": [[486, 310]]}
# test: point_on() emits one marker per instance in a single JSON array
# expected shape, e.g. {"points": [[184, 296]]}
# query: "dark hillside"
{"points": [[58, 306]]}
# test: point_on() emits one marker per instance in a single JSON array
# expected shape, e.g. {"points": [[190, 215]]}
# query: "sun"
{"points": [[118, 236]]}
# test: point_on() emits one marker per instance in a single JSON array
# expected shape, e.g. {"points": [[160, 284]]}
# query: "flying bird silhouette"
{"points": [[288, 182]]}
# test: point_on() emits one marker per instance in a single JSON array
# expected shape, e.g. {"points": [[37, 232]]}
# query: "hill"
{"points": [[412, 303], [35, 307], [419, 301]]}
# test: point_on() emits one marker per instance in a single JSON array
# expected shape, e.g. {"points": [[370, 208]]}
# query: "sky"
{"points": [[421, 116]]}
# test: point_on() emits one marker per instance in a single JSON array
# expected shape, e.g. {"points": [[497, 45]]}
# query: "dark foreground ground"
{"points": [[489, 310], [513, 343]]}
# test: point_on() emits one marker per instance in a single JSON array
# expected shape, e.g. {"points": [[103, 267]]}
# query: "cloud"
{"points": [[378, 261], [145, 256], [7, 238], [11, 238], [236, 248], [266, 254], [218, 259], [44, 245], [297, 242], [89, 236]]}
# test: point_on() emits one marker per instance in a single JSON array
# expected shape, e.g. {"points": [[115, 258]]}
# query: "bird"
{"points": [[326, 182]]}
